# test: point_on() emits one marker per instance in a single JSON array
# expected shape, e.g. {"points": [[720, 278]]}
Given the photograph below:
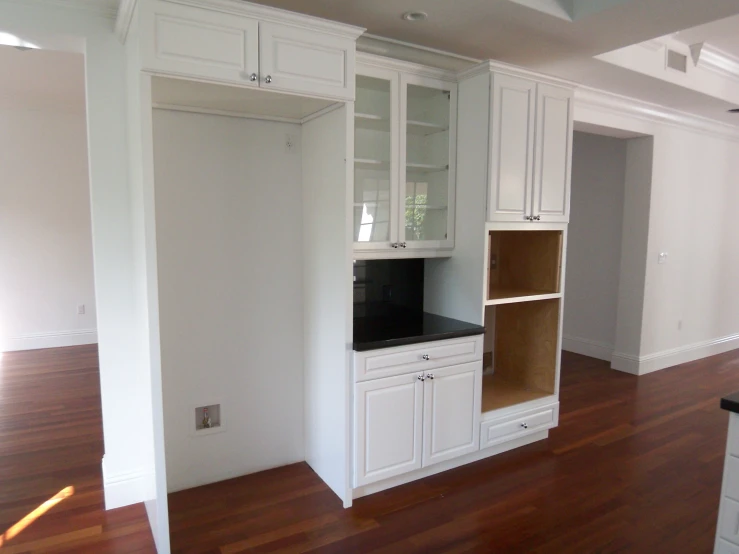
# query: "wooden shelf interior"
{"points": [[523, 342], [524, 263]]}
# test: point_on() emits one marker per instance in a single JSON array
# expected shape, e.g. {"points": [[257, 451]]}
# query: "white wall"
{"points": [[125, 380], [229, 226], [594, 244], [690, 303], [45, 233]]}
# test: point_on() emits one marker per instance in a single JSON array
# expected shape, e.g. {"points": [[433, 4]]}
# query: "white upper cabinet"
{"points": [[553, 153], [301, 60], [248, 45], [530, 150], [512, 118], [404, 161]]}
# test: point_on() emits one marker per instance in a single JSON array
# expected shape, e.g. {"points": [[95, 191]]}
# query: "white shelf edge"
{"points": [[521, 406], [517, 299]]}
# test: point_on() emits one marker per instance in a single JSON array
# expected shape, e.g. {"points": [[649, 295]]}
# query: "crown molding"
{"points": [[123, 19], [491, 66], [274, 15], [93, 7], [719, 62], [631, 107], [414, 53], [372, 60]]}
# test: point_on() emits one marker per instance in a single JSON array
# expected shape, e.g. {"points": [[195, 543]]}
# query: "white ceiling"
{"points": [[722, 35], [39, 79], [516, 33]]}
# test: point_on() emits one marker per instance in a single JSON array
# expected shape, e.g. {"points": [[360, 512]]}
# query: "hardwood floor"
{"points": [[51, 438], [635, 466]]}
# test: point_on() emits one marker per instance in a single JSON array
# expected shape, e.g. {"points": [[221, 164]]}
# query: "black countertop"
{"points": [[731, 403], [371, 333]]}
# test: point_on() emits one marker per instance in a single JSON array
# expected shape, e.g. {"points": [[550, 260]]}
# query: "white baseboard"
{"points": [[641, 365], [587, 347], [55, 339], [125, 488]]}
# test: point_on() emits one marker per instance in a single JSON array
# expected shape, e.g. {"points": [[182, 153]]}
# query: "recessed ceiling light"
{"points": [[415, 16]]}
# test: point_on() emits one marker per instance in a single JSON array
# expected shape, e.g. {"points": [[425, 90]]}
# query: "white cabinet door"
{"points": [[553, 154], [194, 42], [388, 427], [512, 116], [300, 60], [451, 415]]}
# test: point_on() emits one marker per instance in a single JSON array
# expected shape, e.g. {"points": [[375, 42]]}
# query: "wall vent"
{"points": [[677, 61]]}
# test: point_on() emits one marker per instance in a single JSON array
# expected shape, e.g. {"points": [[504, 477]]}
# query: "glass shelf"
{"points": [[378, 165], [425, 128], [425, 168], [371, 122]]}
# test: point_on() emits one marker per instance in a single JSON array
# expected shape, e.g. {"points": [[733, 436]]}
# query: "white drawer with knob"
{"points": [[504, 429], [388, 362]]}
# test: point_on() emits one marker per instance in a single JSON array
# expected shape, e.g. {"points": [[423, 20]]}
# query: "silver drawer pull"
{"points": [[426, 357], [525, 425], [421, 377], [430, 376]]}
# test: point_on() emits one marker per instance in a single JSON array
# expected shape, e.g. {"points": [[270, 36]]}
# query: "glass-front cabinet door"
{"points": [[428, 123], [376, 113]]}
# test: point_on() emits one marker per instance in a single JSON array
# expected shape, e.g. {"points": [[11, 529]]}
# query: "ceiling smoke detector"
{"points": [[415, 16]]}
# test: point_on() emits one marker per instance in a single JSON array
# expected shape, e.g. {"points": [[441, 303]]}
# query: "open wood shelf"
{"points": [[498, 392], [524, 352], [523, 265]]}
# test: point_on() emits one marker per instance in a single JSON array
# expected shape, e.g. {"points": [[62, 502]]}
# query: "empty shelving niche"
{"points": [[523, 264], [523, 337]]}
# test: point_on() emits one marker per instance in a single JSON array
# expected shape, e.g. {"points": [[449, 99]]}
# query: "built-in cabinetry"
{"points": [[727, 529], [427, 412], [249, 46], [404, 160], [530, 150]]}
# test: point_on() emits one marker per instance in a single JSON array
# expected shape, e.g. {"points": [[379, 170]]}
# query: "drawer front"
{"points": [[301, 60], [386, 362], [497, 431], [187, 41], [723, 547], [728, 526]]}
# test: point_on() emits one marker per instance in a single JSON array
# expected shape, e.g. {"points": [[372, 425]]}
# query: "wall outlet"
{"points": [[662, 258], [81, 309], [289, 144]]}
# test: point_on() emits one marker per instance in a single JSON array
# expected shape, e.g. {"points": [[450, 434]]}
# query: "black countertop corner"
{"points": [[372, 333], [731, 403]]}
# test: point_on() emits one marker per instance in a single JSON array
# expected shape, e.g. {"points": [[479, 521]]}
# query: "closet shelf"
{"points": [[424, 128], [371, 122], [498, 392], [363, 163], [509, 295], [425, 168]]}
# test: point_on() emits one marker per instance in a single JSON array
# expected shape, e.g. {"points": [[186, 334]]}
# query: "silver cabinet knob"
{"points": [[394, 244], [537, 218], [402, 245], [525, 425], [528, 217], [421, 377], [253, 77], [426, 357], [430, 376], [268, 79]]}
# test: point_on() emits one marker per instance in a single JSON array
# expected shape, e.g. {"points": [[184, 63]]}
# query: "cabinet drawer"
{"points": [[728, 526], [504, 429], [195, 42], [386, 362], [723, 547]]}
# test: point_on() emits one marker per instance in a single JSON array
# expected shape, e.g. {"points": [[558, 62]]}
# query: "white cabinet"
{"points": [[530, 150], [451, 412], [415, 420], [404, 161], [727, 528], [388, 426], [512, 126], [247, 45]]}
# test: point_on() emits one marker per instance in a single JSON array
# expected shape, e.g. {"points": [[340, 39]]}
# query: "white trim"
{"points": [[446, 466], [392, 64], [587, 347], [491, 66], [654, 45], [125, 488], [719, 62], [631, 107], [222, 113], [321, 112], [123, 19], [443, 56], [641, 365], [275, 15], [93, 7], [54, 339]]}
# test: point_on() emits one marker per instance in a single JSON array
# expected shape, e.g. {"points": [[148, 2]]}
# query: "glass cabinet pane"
{"points": [[372, 156], [427, 163]]}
